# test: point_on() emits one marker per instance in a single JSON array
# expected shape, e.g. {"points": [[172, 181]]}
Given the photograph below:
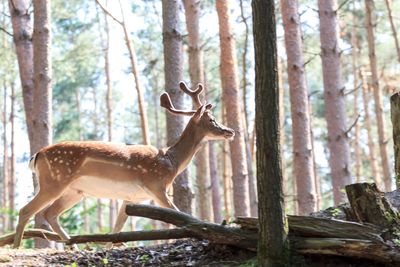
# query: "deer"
{"points": [[71, 170]]}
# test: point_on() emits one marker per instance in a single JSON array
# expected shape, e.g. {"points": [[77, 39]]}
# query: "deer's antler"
{"points": [[165, 102], [194, 94]]}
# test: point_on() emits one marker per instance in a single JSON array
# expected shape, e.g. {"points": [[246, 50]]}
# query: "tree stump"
{"points": [[370, 206], [395, 117]]}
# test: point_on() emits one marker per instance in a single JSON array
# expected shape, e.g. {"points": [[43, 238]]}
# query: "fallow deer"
{"points": [[71, 170]]}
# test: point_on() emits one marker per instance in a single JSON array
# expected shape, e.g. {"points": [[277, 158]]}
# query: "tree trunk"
{"points": [[196, 72], [11, 178], [354, 63], [377, 96], [395, 116], [172, 41], [215, 185], [335, 109], [226, 179], [230, 88], [5, 174], [303, 164], [42, 122], [393, 26], [282, 141], [138, 85], [371, 145], [22, 32], [109, 105], [272, 243]]}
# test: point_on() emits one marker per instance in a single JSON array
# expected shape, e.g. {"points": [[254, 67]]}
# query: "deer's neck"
{"points": [[182, 152]]}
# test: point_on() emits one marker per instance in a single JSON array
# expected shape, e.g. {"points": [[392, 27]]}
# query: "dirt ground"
{"points": [[180, 253]]}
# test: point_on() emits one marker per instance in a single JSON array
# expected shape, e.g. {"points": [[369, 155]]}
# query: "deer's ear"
{"points": [[199, 113]]}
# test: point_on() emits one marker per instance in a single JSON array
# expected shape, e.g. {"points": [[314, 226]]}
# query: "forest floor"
{"points": [[179, 253]]}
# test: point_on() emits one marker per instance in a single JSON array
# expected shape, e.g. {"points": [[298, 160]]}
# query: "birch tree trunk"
{"points": [[196, 72], [377, 96], [172, 41], [335, 109], [303, 164], [230, 87], [42, 97], [272, 242]]}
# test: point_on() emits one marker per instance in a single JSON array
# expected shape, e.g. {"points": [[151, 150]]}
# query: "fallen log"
{"points": [[219, 234], [40, 233], [366, 249], [304, 226]]}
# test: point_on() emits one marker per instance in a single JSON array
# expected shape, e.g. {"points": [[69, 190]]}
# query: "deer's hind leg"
{"points": [[66, 201], [38, 203]]}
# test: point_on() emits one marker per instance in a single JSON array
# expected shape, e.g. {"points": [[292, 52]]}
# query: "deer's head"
{"points": [[201, 118]]}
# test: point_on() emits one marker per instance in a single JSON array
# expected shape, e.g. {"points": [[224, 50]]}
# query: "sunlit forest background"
{"points": [[85, 108]]}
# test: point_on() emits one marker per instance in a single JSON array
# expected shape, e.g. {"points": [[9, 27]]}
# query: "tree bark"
{"points": [[172, 41], [5, 174], [22, 33], [335, 109], [230, 96], [303, 163], [272, 243], [395, 117], [215, 185], [377, 96], [354, 64], [11, 179], [42, 97], [393, 26], [371, 145], [196, 73]]}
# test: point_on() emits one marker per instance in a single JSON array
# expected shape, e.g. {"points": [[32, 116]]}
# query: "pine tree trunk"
{"points": [[272, 242], [196, 72], [335, 109], [4, 184], [230, 87], [215, 185], [172, 41], [377, 96], [303, 163], [249, 162], [138, 85], [106, 44], [11, 179], [371, 144], [226, 174], [285, 181], [354, 55], [42, 122], [393, 26], [22, 32]]}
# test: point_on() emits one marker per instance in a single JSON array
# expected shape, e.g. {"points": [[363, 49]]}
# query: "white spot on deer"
{"points": [[71, 152], [140, 166], [121, 165], [69, 170], [55, 159], [65, 152], [58, 152], [57, 171], [129, 166], [61, 161], [67, 163]]}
